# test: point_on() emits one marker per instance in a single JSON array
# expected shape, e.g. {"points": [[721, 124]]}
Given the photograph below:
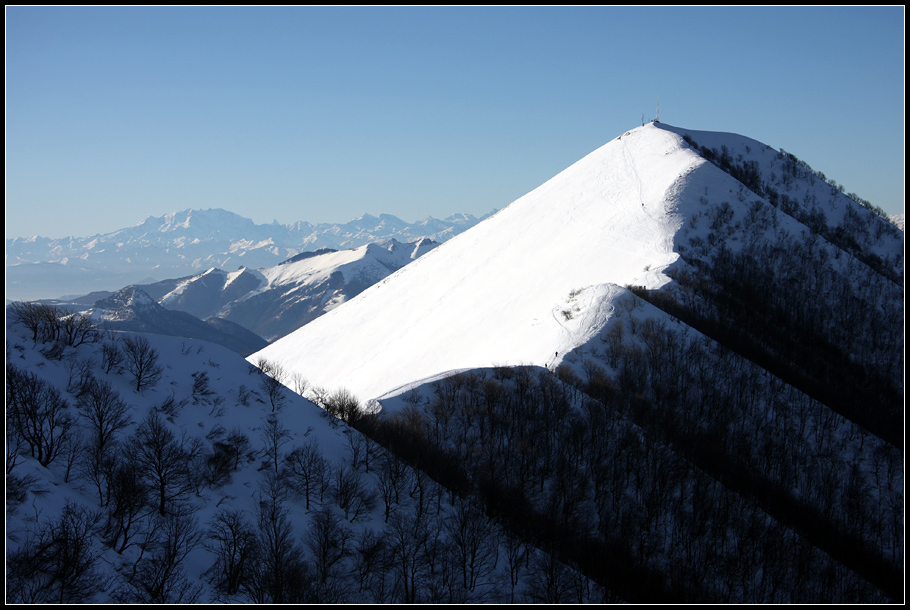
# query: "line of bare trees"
{"points": [[671, 478], [52, 324]]}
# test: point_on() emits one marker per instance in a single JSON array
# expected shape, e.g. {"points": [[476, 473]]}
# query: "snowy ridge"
{"points": [[132, 309], [495, 294], [584, 314], [275, 301], [353, 263], [491, 295]]}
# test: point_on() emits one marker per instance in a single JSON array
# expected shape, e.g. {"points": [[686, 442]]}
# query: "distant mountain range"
{"points": [[186, 243], [275, 301], [244, 309]]}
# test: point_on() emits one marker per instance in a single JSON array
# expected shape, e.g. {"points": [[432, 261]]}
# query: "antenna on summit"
{"points": [[657, 120]]}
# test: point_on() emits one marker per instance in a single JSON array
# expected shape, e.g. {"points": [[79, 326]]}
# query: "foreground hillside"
{"points": [[150, 469]]}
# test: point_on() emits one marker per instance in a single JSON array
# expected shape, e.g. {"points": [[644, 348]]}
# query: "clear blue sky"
{"points": [[323, 114]]}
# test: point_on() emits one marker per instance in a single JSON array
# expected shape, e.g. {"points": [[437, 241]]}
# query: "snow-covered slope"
{"points": [[497, 294], [539, 277]]}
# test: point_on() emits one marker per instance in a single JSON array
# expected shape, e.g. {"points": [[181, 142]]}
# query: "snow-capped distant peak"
{"points": [[128, 297]]}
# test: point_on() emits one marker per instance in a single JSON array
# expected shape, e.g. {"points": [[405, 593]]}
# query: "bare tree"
{"points": [[306, 470], [29, 314], [79, 372], [272, 382], [300, 382], [281, 574], [15, 444], [51, 325], [392, 479], [39, 414], [344, 405], [329, 541], [104, 410], [41, 319], [96, 464], [141, 360], [549, 580], [371, 562], [72, 453], [476, 544], [128, 504], [111, 355], [171, 406], [158, 576], [58, 563], [350, 493], [358, 449], [275, 437], [517, 555], [406, 535], [161, 461], [201, 387], [232, 539], [78, 328], [237, 445], [218, 464], [319, 395]]}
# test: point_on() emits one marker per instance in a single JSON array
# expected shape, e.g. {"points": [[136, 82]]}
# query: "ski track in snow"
{"points": [[631, 162]]}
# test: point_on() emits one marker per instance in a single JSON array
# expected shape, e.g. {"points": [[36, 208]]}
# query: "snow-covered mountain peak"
{"points": [[422, 246], [384, 244], [129, 297], [537, 279], [202, 222], [492, 294]]}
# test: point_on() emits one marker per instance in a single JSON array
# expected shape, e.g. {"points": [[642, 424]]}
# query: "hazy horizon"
{"points": [[324, 114]]}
